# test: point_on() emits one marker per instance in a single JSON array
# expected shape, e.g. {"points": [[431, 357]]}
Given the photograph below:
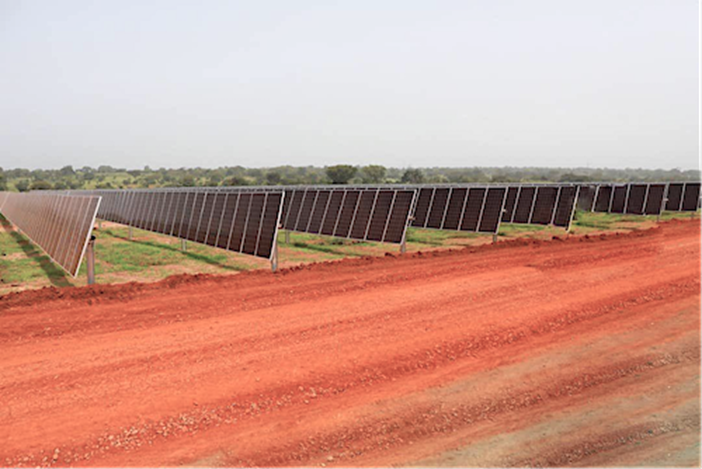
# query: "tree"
{"points": [[273, 178], [40, 185], [235, 181], [341, 173], [186, 181], [373, 174], [413, 176], [67, 171], [22, 185]]}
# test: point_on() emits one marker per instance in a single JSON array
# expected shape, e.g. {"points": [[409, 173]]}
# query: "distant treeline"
{"points": [[107, 177]]}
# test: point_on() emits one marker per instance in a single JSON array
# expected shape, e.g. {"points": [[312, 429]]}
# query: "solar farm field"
{"points": [[150, 257], [540, 350]]}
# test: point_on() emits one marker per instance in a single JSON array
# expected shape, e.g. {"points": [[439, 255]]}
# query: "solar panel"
{"points": [[362, 214], [459, 208], [473, 209], [586, 197], [510, 204], [60, 225], [691, 196], [674, 196], [619, 199], [421, 211], [654, 199], [454, 209], [544, 205], [225, 219], [492, 210], [637, 199], [525, 203], [566, 205], [603, 198]]}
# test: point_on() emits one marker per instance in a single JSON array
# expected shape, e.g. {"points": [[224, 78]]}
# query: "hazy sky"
{"points": [[401, 83]]}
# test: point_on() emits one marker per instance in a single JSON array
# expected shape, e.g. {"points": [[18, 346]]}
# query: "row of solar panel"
{"points": [[371, 214], [640, 198], [60, 225], [242, 222], [377, 215]]}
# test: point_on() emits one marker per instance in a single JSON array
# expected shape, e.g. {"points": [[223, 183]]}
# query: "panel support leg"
{"points": [[130, 234], [99, 224], [274, 257], [90, 260], [403, 247], [183, 245], [494, 237], [287, 236]]}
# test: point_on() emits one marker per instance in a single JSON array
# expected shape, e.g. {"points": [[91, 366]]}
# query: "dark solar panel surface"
{"points": [[586, 197], [333, 211], [654, 200], [619, 199], [474, 205], [379, 217], [294, 210], [421, 212], [510, 204], [603, 199], [363, 211], [306, 210], [454, 212], [343, 224], [438, 208], [522, 212], [320, 208], [397, 222], [637, 199], [675, 196], [564, 209], [228, 219], [492, 210], [691, 197], [544, 206]]}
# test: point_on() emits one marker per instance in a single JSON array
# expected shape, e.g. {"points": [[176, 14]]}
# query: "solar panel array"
{"points": [[238, 221], [60, 225], [640, 198], [461, 208], [540, 205], [363, 214]]}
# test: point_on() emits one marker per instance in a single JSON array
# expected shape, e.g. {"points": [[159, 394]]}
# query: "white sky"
{"points": [[400, 83]]}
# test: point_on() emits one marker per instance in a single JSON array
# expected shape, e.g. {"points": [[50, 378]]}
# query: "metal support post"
{"points": [[494, 237], [287, 236], [130, 234], [274, 257], [99, 224], [183, 245], [90, 260], [403, 247]]}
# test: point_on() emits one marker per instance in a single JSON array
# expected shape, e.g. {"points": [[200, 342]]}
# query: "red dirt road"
{"points": [[576, 352]]}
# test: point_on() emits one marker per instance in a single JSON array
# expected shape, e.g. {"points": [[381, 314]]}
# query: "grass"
{"points": [[150, 256]]}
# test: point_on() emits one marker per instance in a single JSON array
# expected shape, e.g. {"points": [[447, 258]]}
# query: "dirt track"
{"points": [[577, 352]]}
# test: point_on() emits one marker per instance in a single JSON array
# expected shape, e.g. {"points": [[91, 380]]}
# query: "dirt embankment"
{"points": [[582, 351]]}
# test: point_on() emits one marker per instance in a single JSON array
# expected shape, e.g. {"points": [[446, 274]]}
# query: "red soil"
{"points": [[583, 351]]}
